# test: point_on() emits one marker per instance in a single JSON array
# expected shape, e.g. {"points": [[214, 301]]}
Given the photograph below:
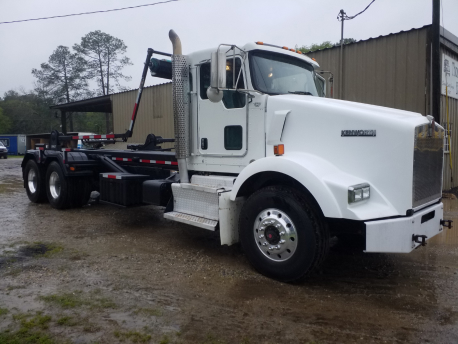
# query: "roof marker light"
{"points": [[260, 43], [293, 50], [286, 48], [299, 52]]}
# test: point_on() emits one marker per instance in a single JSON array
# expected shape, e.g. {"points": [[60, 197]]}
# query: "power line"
{"points": [[343, 16], [80, 14]]}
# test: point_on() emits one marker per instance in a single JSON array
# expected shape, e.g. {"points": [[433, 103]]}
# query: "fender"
{"points": [[327, 184]]}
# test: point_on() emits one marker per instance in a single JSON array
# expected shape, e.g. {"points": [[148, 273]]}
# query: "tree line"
{"points": [[68, 76], [326, 44]]}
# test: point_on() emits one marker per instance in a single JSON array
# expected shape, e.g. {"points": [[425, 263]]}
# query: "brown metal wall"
{"points": [[387, 71], [453, 113], [155, 114]]}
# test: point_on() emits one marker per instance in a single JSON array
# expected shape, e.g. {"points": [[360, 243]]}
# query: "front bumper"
{"points": [[2, 153], [396, 235]]}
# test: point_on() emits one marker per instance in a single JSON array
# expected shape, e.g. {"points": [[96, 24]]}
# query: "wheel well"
{"points": [[264, 179]]}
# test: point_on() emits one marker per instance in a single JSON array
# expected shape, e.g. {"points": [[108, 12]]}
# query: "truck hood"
{"points": [[315, 126]]}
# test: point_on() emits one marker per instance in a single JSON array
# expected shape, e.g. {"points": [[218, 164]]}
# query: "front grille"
{"points": [[427, 164]]}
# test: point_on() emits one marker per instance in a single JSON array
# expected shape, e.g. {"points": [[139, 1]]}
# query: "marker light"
{"points": [[279, 149], [259, 43], [359, 192]]}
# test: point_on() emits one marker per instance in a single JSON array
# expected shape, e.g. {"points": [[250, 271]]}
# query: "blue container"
{"points": [[10, 142]]}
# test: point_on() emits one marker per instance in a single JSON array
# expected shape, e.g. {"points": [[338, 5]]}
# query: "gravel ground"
{"points": [[106, 275]]}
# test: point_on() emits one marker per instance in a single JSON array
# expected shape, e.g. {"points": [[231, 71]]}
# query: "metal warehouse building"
{"points": [[396, 71]]}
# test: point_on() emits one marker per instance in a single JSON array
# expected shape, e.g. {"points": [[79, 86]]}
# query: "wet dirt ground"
{"points": [[105, 275]]}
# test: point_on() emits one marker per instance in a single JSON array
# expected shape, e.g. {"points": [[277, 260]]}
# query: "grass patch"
{"points": [[67, 321], [30, 331], [40, 249], [78, 299], [210, 339], [13, 287], [148, 312], [133, 336], [165, 340], [38, 321], [3, 311]]}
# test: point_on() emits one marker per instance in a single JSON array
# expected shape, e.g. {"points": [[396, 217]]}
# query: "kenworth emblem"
{"points": [[358, 133]]}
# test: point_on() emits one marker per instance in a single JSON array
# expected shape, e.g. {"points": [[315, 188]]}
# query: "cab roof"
{"points": [[204, 55]]}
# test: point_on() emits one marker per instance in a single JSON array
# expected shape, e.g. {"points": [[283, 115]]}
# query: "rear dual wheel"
{"points": [[34, 181], [65, 192], [282, 234]]}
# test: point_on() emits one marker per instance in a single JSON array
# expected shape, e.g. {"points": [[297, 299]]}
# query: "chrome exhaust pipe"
{"points": [[180, 84]]}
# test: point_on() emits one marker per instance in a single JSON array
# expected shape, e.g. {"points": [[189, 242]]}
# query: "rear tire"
{"points": [[57, 187], [35, 183], [283, 236], [65, 192]]}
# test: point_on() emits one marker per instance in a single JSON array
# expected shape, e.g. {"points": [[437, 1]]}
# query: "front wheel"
{"points": [[283, 236]]}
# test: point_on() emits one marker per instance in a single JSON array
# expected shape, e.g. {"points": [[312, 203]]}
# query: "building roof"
{"points": [[444, 33], [97, 104]]}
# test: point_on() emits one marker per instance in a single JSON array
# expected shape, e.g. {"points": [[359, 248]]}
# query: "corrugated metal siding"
{"points": [[453, 114], [387, 71], [155, 114]]}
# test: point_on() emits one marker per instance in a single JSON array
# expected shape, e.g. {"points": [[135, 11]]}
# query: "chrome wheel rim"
{"points": [[275, 235], [54, 185], [32, 181]]}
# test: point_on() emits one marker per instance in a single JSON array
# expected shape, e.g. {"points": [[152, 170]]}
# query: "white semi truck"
{"points": [[263, 158]]}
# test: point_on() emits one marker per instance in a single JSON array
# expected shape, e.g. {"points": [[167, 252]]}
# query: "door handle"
{"points": [[204, 143]]}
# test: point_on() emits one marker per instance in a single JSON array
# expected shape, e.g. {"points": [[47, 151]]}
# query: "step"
{"points": [[191, 220], [197, 200]]}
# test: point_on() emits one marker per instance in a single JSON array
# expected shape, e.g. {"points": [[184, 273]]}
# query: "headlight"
{"points": [[359, 192]]}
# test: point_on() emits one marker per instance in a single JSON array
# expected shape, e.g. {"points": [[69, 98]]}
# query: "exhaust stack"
{"points": [[180, 84]]}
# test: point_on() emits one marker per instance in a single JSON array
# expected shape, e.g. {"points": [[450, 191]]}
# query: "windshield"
{"points": [[275, 73], [1, 144]]}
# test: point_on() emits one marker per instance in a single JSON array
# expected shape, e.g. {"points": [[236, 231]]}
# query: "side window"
{"points": [[233, 137], [231, 99], [204, 80]]}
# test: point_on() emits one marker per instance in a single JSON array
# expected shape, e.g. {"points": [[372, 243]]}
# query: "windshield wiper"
{"points": [[301, 92]]}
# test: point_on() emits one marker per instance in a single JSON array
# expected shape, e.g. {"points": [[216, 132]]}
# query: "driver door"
{"points": [[222, 126]]}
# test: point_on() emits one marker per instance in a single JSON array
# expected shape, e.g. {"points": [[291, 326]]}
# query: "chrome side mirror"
{"points": [[218, 76]]}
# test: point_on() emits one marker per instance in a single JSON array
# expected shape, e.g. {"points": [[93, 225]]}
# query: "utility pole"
{"points": [[342, 16], [436, 62]]}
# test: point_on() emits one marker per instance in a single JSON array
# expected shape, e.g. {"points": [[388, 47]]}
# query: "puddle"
{"points": [[9, 185]]}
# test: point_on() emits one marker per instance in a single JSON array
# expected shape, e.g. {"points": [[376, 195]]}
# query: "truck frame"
{"points": [[263, 158]]}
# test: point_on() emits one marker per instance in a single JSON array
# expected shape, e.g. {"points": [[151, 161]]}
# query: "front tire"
{"points": [[35, 184], [283, 236]]}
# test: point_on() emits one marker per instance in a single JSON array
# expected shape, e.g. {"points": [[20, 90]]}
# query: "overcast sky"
{"points": [[199, 23]]}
